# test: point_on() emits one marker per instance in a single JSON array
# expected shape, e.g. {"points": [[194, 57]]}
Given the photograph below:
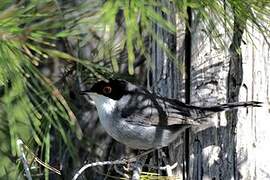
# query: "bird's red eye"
{"points": [[107, 90]]}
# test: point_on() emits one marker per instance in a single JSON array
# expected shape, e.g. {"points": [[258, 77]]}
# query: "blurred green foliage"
{"points": [[30, 104]]}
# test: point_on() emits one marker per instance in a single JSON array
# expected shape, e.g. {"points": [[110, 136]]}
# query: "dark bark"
{"points": [[234, 81]]}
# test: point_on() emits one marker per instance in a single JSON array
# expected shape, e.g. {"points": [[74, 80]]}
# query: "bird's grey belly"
{"points": [[138, 136]]}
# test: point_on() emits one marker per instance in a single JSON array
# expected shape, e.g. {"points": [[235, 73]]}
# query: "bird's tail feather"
{"points": [[228, 106]]}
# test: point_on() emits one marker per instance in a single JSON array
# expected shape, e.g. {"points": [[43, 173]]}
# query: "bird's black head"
{"points": [[112, 88]]}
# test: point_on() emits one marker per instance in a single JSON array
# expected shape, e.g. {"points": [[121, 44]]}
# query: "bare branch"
{"points": [[123, 161], [23, 159]]}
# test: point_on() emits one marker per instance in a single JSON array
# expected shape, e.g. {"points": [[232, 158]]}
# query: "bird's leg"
{"points": [[124, 174], [159, 160], [164, 154], [164, 157], [137, 168], [130, 155], [139, 153], [139, 163]]}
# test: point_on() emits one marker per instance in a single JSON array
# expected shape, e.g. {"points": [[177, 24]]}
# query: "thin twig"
{"points": [[163, 168], [36, 159], [123, 161], [23, 159], [98, 164]]}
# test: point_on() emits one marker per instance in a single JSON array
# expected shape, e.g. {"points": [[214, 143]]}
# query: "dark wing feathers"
{"points": [[148, 109], [143, 109]]}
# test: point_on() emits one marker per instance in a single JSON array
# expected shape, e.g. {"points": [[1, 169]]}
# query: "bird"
{"points": [[143, 120]]}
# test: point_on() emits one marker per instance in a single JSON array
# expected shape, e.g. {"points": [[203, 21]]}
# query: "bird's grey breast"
{"points": [[136, 115], [128, 120]]}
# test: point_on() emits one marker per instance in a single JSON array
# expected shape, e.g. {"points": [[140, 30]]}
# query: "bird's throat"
{"points": [[104, 104]]}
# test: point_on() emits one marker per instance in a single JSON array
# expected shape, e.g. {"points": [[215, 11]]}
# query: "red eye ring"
{"points": [[107, 90]]}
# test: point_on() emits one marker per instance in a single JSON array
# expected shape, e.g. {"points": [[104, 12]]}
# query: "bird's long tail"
{"points": [[202, 113], [228, 106]]}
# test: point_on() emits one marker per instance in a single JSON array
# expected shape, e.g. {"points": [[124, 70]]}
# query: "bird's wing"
{"points": [[155, 120], [150, 109], [181, 113]]}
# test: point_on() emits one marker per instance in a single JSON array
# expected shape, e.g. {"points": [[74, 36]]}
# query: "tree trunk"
{"points": [[166, 78], [252, 138], [235, 147]]}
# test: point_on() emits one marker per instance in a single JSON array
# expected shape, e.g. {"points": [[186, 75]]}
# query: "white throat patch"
{"points": [[103, 103]]}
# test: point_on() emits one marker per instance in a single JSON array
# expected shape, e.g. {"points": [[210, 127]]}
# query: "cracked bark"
{"points": [[235, 79], [212, 151], [214, 148], [166, 78]]}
